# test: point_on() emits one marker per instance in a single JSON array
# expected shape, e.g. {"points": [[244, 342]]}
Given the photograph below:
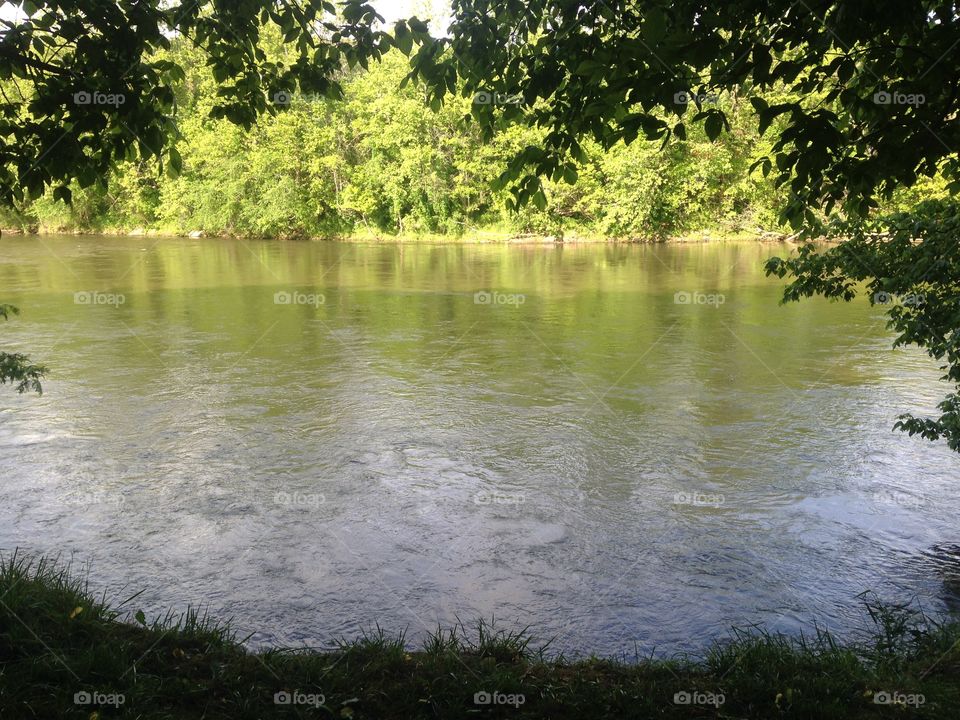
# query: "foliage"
{"points": [[380, 161], [16, 367], [87, 85], [242, 137], [873, 94]]}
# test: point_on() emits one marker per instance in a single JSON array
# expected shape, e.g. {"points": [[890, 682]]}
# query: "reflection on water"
{"points": [[620, 446]]}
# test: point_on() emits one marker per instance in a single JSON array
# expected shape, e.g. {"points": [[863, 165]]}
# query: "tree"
{"points": [[89, 88], [876, 83], [872, 100]]}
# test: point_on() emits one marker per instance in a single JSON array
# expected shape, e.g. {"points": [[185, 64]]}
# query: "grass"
{"points": [[57, 641], [494, 234]]}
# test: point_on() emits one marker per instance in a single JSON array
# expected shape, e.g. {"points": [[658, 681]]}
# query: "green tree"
{"points": [[93, 89], [873, 86]]}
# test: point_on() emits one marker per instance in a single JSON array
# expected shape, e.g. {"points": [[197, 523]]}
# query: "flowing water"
{"points": [[628, 448]]}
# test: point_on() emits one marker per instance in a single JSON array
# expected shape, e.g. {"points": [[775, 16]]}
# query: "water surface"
{"points": [[583, 453]]}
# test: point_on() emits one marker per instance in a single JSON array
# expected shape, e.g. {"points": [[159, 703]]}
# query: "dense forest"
{"points": [[381, 162]]}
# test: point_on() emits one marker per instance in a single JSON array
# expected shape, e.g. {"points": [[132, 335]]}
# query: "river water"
{"points": [[627, 448]]}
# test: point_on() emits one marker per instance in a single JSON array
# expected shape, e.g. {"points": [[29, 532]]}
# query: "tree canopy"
{"points": [[873, 85], [377, 162], [97, 91]]}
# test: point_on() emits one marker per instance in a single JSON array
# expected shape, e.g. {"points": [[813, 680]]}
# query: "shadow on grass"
{"points": [[65, 654]]}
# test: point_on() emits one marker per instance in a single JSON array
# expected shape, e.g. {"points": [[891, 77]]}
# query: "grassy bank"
{"points": [[60, 648], [478, 237]]}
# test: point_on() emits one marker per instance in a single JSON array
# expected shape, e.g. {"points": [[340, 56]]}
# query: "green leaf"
{"points": [[713, 126], [403, 38], [500, 182], [654, 25], [540, 200], [63, 193], [353, 10]]}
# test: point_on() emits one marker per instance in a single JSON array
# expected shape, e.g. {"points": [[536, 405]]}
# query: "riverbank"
{"points": [[479, 237], [63, 653]]}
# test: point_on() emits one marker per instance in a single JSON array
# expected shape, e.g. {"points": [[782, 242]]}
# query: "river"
{"points": [[627, 448]]}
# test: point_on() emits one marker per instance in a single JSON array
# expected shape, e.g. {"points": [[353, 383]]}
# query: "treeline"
{"points": [[380, 162]]}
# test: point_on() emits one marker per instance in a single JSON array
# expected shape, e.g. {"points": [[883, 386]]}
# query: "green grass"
{"points": [[492, 235], [56, 640]]}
